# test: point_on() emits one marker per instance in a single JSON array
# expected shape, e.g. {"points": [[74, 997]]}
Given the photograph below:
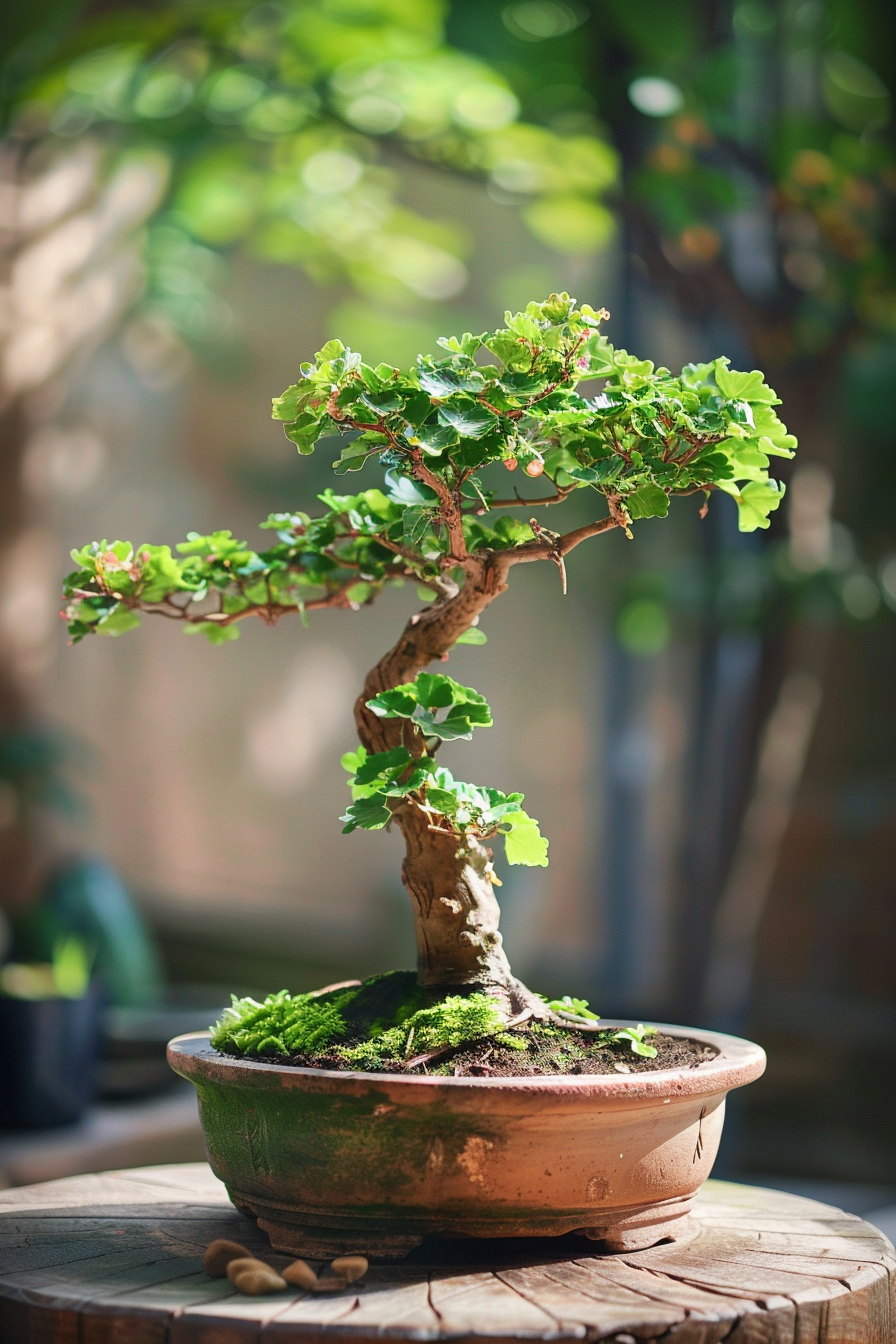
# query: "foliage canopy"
{"points": [[505, 399]]}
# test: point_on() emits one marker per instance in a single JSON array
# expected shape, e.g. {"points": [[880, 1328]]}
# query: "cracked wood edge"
{"points": [[114, 1258]]}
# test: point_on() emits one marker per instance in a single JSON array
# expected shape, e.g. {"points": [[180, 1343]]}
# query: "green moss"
{"points": [[452, 1022], [389, 1020], [512, 1042], [285, 1024], [384, 1020]]}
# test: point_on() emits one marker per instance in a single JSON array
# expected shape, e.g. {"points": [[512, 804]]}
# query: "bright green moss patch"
{"points": [[380, 1022], [285, 1024], [450, 1023]]}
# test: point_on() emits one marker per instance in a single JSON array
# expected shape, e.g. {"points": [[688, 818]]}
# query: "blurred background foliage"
{"points": [[271, 128], [194, 194]]}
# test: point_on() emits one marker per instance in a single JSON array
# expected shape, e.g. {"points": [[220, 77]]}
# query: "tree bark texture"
{"points": [[452, 896], [456, 914]]}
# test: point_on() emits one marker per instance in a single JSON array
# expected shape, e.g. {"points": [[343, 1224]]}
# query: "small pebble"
{"points": [[257, 1282], [219, 1255], [621, 1068], [350, 1267], [300, 1275], [237, 1266]]}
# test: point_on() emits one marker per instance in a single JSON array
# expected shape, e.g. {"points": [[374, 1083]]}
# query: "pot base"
{"points": [[295, 1232], [668, 1221]]}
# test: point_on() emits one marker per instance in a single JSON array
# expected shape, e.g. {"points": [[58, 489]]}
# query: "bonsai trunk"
{"points": [[448, 880]]}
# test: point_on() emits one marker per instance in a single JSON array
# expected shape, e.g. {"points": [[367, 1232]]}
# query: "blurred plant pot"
{"points": [[51, 1050], [330, 1162]]}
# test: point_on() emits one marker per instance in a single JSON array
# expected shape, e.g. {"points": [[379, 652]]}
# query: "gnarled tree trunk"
{"points": [[448, 880]]}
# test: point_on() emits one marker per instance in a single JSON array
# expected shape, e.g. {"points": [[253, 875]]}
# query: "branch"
{"points": [[561, 546], [563, 492], [413, 557], [270, 612], [449, 511]]}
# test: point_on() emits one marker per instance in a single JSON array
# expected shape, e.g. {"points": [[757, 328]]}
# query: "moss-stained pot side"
{"points": [[332, 1161]]}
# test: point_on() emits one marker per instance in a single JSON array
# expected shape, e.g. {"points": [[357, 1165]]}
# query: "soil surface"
{"points": [[567, 1052]]}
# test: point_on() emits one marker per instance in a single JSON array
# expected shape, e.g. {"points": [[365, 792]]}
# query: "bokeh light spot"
{"points": [[537, 20], [485, 107], [331, 171], [643, 627], [655, 97]]}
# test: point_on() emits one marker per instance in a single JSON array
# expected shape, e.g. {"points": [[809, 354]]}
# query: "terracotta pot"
{"points": [[330, 1162]]}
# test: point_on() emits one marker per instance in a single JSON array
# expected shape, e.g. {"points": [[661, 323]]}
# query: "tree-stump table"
{"points": [[116, 1259]]}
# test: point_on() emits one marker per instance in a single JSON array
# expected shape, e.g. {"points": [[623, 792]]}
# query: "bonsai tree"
{"points": [[446, 432]]}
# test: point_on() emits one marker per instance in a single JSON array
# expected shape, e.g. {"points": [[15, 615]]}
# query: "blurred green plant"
{"points": [[33, 772], [757, 166], [278, 129], [67, 976]]}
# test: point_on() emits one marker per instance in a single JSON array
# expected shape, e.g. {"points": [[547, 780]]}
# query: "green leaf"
{"points": [[381, 763], [118, 622], [416, 522], [459, 722], [398, 703], [435, 690], [513, 531], [353, 760], [294, 400], [160, 573], [470, 420], [214, 633], [524, 842], [570, 1005], [636, 1039], [370, 814], [383, 403], [419, 700], [648, 501], [332, 350], [774, 439], [467, 344], [755, 501], [353, 456], [749, 387], [434, 438], [444, 381], [405, 491], [442, 800], [472, 636]]}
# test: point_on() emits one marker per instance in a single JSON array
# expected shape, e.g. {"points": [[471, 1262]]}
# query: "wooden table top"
{"points": [[116, 1259]]}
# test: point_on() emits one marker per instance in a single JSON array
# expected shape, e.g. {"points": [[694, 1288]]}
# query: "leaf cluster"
{"points": [[637, 1039], [571, 1009], [507, 398], [512, 397], [436, 709], [345, 556]]}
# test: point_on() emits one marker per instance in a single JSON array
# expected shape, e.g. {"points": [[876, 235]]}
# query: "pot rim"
{"points": [[738, 1062]]}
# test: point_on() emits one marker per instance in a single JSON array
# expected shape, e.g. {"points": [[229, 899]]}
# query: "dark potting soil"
{"points": [[547, 1053]]}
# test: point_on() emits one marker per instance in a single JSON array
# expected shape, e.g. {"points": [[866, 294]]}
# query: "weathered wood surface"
{"points": [[116, 1259]]}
